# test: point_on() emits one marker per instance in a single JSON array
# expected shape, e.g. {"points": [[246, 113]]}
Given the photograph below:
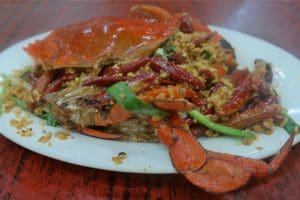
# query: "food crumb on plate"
{"points": [[25, 132], [17, 112], [247, 141], [45, 138], [259, 148], [119, 158], [43, 123], [21, 123], [62, 135]]}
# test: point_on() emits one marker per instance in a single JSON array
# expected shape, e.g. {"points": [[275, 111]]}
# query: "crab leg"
{"points": [[224, 172], [98, 134], [189, 158], [257, 167], [219, 176], [212, 171], [178, 105], [186, 153], [116, 115], [170, 92], [172, 98]]}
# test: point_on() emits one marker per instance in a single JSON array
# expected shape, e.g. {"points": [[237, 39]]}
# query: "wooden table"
{"points": [[27, 175]]}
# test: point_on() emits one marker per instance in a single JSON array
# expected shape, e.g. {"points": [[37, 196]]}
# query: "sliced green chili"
{"points": [[202, 119], [128, 100], [290, 126]]}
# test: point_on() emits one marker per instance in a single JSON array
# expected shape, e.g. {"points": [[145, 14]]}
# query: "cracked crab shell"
{"points": [[99, 41]]}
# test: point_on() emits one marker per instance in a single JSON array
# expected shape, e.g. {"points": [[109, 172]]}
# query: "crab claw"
{"points": [[185, 151], [219, 176], [212, 171], [224, 172]]}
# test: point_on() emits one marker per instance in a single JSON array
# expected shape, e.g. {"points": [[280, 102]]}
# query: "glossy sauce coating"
{"points": [[82, 44]]}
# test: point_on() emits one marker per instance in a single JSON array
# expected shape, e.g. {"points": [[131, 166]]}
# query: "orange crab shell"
{"points": [[100, 40]]}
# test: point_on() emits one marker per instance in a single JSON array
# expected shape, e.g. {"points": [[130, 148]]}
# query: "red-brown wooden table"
{"points": [[27, 175]]}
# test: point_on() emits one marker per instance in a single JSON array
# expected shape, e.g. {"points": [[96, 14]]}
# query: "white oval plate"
{"points": [[153, 158]]}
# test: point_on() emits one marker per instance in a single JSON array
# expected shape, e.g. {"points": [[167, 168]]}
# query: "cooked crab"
{"points": [[79, 61]]}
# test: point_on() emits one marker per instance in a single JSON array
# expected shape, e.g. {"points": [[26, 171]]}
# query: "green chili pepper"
{"points": [[202, 119], [128, 100], [290, 125]]}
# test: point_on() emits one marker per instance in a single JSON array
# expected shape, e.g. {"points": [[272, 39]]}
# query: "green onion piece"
{"points": [[48, 116], [128, 100], [166, 50], [202, 119], [20, 103], [290, 126], [160, 52], [169, 47], [205, 54]]}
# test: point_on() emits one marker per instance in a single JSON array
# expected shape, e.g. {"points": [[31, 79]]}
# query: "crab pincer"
{"points": [[225, 172], [212, 171], [185, 151]]}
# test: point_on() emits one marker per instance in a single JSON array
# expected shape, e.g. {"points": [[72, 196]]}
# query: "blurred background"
{"points": [[277, 21]]}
